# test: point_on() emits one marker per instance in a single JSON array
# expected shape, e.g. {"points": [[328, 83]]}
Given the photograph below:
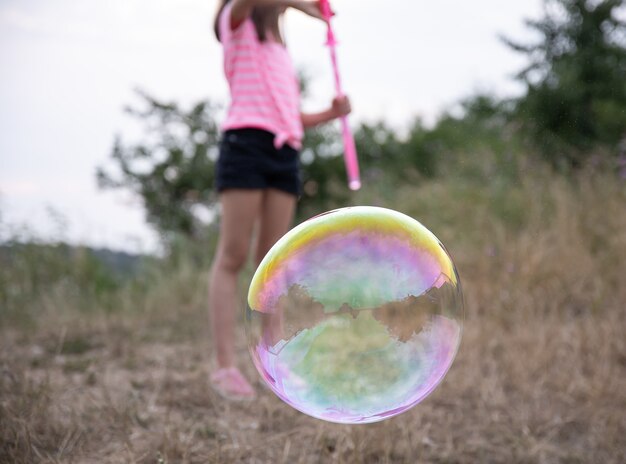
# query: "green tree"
{"points": [[172, 169], [576, 84]]}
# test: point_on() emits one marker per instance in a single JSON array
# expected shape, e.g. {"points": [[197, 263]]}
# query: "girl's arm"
{"points": [[241, 9], [340, 107]]}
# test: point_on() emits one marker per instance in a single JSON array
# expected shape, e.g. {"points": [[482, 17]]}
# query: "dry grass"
{"points": [[540, 377]]}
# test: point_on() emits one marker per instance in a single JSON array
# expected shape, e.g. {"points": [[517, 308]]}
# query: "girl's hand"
{"points": [[341, 107], [309, 7]]}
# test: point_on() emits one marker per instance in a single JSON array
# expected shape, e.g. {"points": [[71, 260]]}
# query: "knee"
{"points": [[232, 259]]}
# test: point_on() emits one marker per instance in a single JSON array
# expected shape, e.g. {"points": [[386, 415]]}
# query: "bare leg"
{"points": [[240, 209], [277, 212]]}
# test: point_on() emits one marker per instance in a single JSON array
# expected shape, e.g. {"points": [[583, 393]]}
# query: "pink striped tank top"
{"points": [[264, 88]]}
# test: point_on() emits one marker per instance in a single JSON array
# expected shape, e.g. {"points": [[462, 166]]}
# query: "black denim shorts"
{"points": [[249, 160]]}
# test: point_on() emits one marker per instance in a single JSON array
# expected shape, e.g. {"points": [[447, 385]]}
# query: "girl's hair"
{"points": [[263, 19]]}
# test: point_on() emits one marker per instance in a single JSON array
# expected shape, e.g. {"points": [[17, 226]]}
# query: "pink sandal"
{"points": [[230, 383]]}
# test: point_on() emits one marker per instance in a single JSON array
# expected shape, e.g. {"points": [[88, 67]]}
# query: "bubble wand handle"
{"points": [[350, 155]]}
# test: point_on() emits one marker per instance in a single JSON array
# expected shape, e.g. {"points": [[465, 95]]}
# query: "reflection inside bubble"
{"points": [[356, 318]]}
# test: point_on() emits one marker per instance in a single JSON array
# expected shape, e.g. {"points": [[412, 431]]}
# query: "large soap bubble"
{"points": [[355, 316]]}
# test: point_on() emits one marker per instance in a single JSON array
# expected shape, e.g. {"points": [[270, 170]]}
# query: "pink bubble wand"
{"points": [[350, 156]]}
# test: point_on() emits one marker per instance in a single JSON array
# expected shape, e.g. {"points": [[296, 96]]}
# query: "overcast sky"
{"points": [[68, 67]]}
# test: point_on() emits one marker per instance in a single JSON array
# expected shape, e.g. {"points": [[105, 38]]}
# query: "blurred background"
{"points": [[70, 68], [500, 125]]}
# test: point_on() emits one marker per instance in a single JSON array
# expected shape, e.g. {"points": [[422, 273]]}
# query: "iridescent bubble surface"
{"points": [[355, 315]]}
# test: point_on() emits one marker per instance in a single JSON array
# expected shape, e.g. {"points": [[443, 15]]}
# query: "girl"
{"points": [[257, 171]]}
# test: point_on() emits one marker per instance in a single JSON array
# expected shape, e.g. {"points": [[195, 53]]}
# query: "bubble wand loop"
{"points": [[350, 156]]}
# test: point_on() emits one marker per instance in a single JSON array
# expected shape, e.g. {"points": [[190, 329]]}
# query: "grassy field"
{"points": [[540, 376]]}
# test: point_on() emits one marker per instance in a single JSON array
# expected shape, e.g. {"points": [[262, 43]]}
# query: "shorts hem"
{"points": [[295, 192]]}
